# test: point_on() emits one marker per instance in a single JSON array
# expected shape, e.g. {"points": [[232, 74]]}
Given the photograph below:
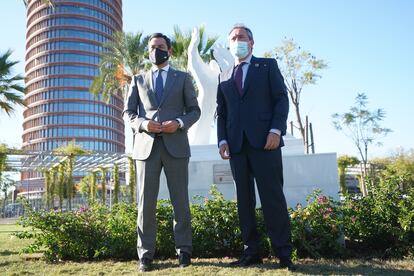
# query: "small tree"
{"points": [[70, 190], [48, 195], [344, 162], [71, 150], [61, 184], [5, 184], [363, 128], [84, 185], [115, 175], [54, 183], [5, 181], [3, 158], [103, 184], [299, 68], [132, 180], [399, 165], [93, 186]]}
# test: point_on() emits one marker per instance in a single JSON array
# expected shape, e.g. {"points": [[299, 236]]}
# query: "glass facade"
{"points": [[62, 57]]}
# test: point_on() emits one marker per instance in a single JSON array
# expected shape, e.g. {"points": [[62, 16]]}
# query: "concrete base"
{"points": [[302, 173]]}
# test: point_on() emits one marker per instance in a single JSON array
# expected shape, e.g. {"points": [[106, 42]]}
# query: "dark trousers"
{"points": [[266, 168]]}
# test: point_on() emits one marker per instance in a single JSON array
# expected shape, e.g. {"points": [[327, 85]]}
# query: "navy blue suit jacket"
{"points": [[263, 106]]}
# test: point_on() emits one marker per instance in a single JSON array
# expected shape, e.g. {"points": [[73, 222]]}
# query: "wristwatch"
{"points": [[179, 123]]}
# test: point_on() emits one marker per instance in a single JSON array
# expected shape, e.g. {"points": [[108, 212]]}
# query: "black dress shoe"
{"points": [[145, 265], [184, 259], [247, 260], [285, 262]]}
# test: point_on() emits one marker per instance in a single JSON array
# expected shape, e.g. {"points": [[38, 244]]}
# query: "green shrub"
{"points": [[317, 228], [89, 233], [165, 236], [122, 230], [215, 226], [381, 222]]}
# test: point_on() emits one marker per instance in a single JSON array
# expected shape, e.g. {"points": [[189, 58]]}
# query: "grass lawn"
{"points": [[11, 263]]}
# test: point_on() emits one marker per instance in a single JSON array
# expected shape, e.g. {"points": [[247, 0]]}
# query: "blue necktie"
{"points": [[159, 86], [238, 77]]}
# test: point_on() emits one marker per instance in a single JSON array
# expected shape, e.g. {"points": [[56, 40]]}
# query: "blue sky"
{"points": [[368, 45]]}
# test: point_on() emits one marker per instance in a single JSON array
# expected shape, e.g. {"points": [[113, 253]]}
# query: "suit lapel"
{"points": [[253, 66], [228, 75], [171, 76], [150, 87]]}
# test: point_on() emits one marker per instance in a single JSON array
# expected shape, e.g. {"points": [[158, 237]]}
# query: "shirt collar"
{"points": [[246, 61], [155, 68]]}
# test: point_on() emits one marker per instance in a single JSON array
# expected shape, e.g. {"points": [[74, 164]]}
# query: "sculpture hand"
{"points": [[195, 40], [223, 57]]}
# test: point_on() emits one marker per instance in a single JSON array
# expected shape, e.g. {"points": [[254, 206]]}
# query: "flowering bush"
{"points": [[317, 228], [381, 222]]}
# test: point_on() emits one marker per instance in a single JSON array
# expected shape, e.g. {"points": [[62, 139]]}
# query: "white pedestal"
{"points": [[302, 173]]}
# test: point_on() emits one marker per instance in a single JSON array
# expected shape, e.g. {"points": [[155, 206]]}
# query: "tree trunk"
{"points": [[116, 183], [70, 189], [300, 124], [364, 189]]}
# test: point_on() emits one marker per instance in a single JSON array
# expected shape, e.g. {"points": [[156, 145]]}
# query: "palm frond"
{"points": [[124, 57], [9, 84]]}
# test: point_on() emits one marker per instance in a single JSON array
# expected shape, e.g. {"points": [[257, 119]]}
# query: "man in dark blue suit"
{"points": [[252, 109]]}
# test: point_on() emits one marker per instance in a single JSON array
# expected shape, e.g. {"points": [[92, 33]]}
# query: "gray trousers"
{"points": [[148, 183]]}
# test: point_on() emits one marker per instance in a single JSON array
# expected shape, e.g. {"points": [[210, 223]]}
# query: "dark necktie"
{"points": [[159, 86], [238, 77]]}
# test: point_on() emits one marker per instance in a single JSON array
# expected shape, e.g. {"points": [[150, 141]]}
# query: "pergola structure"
{"points": [[38, 161], [35, 161]]}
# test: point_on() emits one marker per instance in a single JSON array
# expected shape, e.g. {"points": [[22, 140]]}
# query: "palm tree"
{"points": [[48, 175], [103, 184], [125, 56], [61, 184], [115, 175], [93, 187], [9, 84], [50, 3], [71, 150], [180, 43]]}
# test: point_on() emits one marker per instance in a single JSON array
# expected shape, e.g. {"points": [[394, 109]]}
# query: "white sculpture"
{"points": [[206, 78]]}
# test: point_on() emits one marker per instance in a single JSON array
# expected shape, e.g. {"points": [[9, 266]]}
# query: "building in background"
{"points": [[63, 46]]}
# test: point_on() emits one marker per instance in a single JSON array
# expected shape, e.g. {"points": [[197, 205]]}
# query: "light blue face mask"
{"points": [[239, 49]]}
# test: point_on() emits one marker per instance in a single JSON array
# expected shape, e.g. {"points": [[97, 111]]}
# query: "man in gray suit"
{"points": [[161, 107]]}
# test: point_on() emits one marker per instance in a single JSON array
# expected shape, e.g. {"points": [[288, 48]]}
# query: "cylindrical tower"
{"points": [[63, 44]]}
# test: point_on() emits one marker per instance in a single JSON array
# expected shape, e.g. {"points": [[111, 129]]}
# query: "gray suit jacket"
{"points": [[179, 100]]}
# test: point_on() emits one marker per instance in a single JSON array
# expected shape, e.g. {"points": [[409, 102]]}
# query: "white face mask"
{"points": [[239, 49]]}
